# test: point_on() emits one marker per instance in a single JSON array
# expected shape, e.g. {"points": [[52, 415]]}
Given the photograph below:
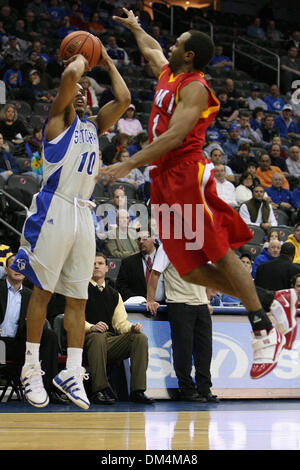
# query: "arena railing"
{"points": [[241, 41], [16, 201]]}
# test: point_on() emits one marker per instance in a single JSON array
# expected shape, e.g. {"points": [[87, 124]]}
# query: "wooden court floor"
{"points": [[229, 425]]}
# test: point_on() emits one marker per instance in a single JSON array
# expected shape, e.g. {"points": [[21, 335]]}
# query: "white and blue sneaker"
{"points": [[70, 381], [34, 391]]}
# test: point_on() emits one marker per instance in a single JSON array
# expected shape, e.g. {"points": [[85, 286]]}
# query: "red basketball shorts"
{"points": [[195, 225]]}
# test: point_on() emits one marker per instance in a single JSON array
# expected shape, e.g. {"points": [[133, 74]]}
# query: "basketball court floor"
{"points": [[165, 425]]}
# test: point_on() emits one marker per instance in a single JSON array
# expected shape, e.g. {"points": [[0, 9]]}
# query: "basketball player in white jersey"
{"points": [[58, 243]]}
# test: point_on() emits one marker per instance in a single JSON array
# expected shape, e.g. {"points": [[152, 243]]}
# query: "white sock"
{"points": [[74, 357], [32, 354]]}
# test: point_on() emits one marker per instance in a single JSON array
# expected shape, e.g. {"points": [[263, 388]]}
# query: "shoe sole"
{"points": [[290, 335], [81, 404], [37, 405], [273, 364]]}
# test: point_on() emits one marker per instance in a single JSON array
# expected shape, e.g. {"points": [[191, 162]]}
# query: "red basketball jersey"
{"points": [[164, 104]]}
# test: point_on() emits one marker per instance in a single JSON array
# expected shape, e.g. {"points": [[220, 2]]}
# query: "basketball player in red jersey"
{"points": [[183, 108]]}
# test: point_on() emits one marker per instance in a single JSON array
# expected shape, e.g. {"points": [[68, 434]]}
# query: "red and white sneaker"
{"points": [[266, 348], [284, 311]]}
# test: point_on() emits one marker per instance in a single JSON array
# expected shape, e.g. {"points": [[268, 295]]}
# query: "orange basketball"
{"points": [[81, 42]]}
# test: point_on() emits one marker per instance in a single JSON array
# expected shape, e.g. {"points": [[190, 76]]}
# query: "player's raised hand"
{"points": [[130, 22], [75, 57]]}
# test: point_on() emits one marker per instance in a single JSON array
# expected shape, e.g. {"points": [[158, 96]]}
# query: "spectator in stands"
{"points": [[220, 60], [13, 307], [228, 108], [246, 133], [110, 337], [110, 220], [33, 26], [32, 92], [90, 94], [129, 124], [95, 26], [272, 235], [38, 8], [225, 189], [38, 47], [216, 157], [286, 126], [55, 12], [233, 141], [257, 211], [257, 119], [251, 168], [156, 34], [240, 161], [191, 339], [15, 50], [135, 177], [255, 30], [294, 238], [243, 192], [11, 126], [8, 163], [273, 100], [278, 273], [13, 79], [246, 259], [65, 27], [277, 160], [213, 134], [294, 40], [281, 198], [46, 81], [254, 101], [34, 141], [283, 148], [118, 54], [118, 142], [267, 131], [293, 161], [265, 171], [272, 33], [267, 254], [121, 241], [232, 93], [29, 64], [140, 141], [290, 69], [140, 264]]}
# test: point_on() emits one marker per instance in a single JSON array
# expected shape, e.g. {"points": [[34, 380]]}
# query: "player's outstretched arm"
{"points": [[62, 112], [109, 114], [193, 100], [148, 46]]}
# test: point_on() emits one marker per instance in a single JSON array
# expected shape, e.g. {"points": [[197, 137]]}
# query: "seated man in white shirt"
{"points": [[258, 211], [293, 161], [225, 189]]}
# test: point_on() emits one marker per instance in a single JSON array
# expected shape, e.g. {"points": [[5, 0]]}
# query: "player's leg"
{"points": [[70, 380], [267, 341], [31, 375]]}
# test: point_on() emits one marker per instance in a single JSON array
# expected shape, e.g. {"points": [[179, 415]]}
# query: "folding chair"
{"points": [[258, 234], [10, 376]]}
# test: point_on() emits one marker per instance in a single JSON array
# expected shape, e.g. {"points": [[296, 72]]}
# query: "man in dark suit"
{"points": [[110, 337], [14, 299], [135, 270], [277, 273]]}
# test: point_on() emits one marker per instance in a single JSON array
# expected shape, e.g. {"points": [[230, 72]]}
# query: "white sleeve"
{"points": [[244, 213], [161, 260]]}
